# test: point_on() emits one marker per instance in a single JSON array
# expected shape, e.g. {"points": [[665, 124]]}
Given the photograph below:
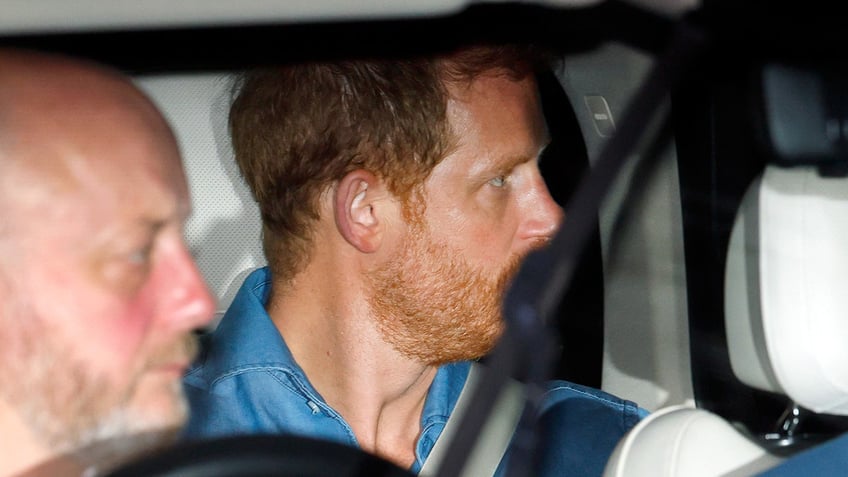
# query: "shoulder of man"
{"points": [[232, 396], [580, 427], [558, 392], [829, 459], [242, 401]]}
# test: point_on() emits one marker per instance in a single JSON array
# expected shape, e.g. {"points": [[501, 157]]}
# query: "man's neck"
{"points": [[378, 391]]}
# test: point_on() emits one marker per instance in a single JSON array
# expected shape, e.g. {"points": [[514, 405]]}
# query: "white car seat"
{"points": [[224, 229], [785, 293], [785, 311]]}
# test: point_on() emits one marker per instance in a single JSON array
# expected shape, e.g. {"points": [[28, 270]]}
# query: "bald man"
{"points": [[98, 293]]}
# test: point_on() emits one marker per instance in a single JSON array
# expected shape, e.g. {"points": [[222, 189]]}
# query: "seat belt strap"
{"points": [[495, 436]]}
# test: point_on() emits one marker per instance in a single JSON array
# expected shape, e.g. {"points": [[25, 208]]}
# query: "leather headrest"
{"points": [[786, 288]]}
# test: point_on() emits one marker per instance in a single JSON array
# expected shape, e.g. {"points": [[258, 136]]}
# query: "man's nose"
{"points": [[188, 303], [543, 215]]}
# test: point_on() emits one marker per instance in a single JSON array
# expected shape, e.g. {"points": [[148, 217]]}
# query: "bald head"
{"points": [[52, 109], [33, 85], [97, 291], [37, 83], [68, 126]]}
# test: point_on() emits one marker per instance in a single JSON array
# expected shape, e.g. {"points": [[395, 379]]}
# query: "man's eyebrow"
{"points": [[515, 160], [142, 225], [155, 222], [180, 212], [119, 232]]}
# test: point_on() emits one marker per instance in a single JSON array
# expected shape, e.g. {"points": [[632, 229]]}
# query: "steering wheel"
{"points": [[259, 456]]}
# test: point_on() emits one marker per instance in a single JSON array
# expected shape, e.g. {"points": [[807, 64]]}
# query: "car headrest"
{"points": [[224, 230], [786, 288], [680, 441]]}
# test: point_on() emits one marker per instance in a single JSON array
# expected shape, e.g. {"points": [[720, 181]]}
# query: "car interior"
{"points": [[699, 149]]}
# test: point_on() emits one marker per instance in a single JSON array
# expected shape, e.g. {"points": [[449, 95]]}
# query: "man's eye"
{"points": [[140, 256], [499, 181]]}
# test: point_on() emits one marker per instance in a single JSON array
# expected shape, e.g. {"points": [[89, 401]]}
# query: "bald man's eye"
{"points": [[140, 256], [127, 268]]}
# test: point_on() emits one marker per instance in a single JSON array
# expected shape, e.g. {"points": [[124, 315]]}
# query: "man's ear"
{"points": [[359, 209]]}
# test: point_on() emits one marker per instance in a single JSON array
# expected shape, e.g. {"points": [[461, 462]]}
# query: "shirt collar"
{"points": [[246, 336], [441, 399]]}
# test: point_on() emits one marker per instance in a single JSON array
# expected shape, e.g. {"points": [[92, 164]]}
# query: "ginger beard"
{"points": [[74, 410], [433, 306]]}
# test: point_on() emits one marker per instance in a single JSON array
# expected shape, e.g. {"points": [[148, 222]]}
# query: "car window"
{"points": [[643, 317]]}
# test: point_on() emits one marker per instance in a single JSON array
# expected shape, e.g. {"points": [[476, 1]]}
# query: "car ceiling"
{"points": [[26, 17]]}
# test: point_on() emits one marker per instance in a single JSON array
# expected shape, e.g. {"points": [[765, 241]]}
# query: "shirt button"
{"points": [[314, 407]]}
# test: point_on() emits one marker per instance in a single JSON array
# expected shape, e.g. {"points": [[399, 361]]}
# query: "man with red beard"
{"points": [[397, 198], [98, 293]]}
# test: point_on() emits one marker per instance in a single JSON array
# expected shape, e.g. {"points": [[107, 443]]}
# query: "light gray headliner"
{"points": [[52, 16]]}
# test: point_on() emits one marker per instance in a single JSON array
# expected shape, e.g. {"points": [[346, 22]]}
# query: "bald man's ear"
{"points": [[360, 208]]}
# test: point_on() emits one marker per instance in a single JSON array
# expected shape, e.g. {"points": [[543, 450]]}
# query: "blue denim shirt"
{"points": [[247, 382], [829, 459]]}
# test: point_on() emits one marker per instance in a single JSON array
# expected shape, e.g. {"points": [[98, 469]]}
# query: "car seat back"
{"points": [[785, 311], [224, 230], [786, 306]]}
